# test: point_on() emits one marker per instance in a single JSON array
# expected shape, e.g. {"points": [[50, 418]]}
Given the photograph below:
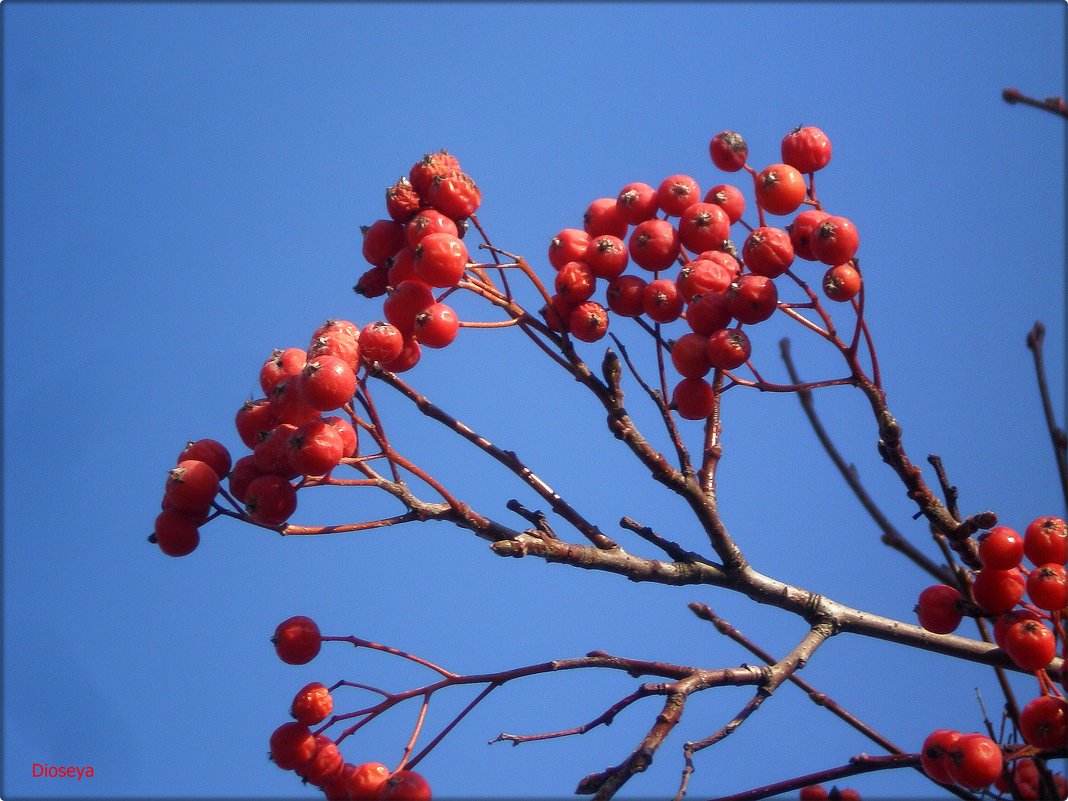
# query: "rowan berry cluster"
{"points": [[313, 755], [417, 249], [1028, 609], [690, 270]]}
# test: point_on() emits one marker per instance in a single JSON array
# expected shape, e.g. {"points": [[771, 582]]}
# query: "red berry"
{"points": [[253, 420], [432, 164], [557, 313], [662, 301], [191, 486], [280, 365], [366, 781], [1030, 644], [780, 189], [297, 640], [801, 231], [176, 533], [271, 454], [575, 282], [603, 217], [654, 245], [402, 201], [454, 194], [934, 755], [405, 302], [588, 321], [693, 398], [729, 198], [292, 745], [998, 591], [703, 226], [676, 193], [315, 448], [327, 383], [427, 222], [636, 202], [690, 357], [1001, 548], [624, 295], [808, 149], [347, 432], [381, 341], [211, 452], [975, 761], [728, 348], [373, 283], [1001, 625], [813, 792], [728, 151], [568, 245], [381, 239], [1046, 587], [1042, 722], [835, 241], [702, 276], [606, 256], [409, 357], [708, 313], [768, 251], [243, 473], [436, 326], [402, 266], [405, 785], [842, 283], [288, 405], [325, 764], [312, 704], [270, 499], [752, 298], [440, 260], [938, 609], [1046, 540], [336, 338]]}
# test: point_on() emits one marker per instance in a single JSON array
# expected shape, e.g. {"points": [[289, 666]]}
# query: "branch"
{"points": [[1035, 339], [1054, 105]]}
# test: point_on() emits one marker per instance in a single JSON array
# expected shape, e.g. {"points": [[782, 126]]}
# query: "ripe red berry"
{"points": [[381, 341], [243, 473], [661, 300], [405, 302], [938, 609], [402, 201], [253, 420], [780, 189], [752, 298], [606, 256], [270, 499], [409, 357], [402, 266], [728, 348], [211, 452], [1046, 587], [315, 448], [1046, 540], [703, 226], [654, 245], [271, 453], [690, 357], [602, 217], [437, 326], [1001, 625], [728, 151], [339, 338], [808, 149], [176, 533], [708, 313], [588, 321], [427, 222], [975, 761], [676, 193], [373, 283], [568, 245], [326, 763], [801, 231], [191, 486], [636, 202], [440, 260], [288, 405], [381, 239], [998, 591], [297, 640], [327, 383], [575, 282], [693, 398], [768, 251], [729, 198], [834, 241], [432, 164], [702, 276], [347, 432], [292, 745], [312, 704], [405, 785], [934, 755], [624, 295], [367, 781], [280, 365], [557, 313], [813, 792], [454, 194], [1001, 548], [842, 283], [1043, 722], [1030, 644]]}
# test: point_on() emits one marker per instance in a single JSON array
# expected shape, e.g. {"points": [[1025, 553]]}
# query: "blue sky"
{"points": [[183, 189]]}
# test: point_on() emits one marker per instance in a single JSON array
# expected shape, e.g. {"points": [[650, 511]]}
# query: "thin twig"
{"points": [[1035, 339]]}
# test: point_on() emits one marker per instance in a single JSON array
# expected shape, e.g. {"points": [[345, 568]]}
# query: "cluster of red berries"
{"points": [[817, 792], [1029, 608], [974, 762], [416, 250], [718, 289], [315, 757], [188, 495]]}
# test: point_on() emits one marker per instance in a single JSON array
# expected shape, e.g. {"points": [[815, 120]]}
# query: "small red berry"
{"points": [[780, 189], [312, 704], [703, 226], [768, 251], [381, 341], [693, 398], [624, 295], [1043, 722], [315, 448], [662, 301], [801, 231], [636, 203], [606, 256], [405, 302], [437, 326], [728, 348], [998, 591], [708, 313], [405, 785], [292, 745], [728, 151], [326, 763], [327, 383], [1030, 644], [211, 452], [975, 761], [842, 283], [729, 198], [654, 245], [381, 239], [191, 486], [402, 201], [808, 149], [575, 282], [676, 193], [454, 194], [834, 241], [270, 499], [752, 298], [938, 609], [427, 222], [690, 357], [432, 164], [588, 321], [176, 533], [297, 640], [440, 260], [1046, 587], [934, 755], [373, 283], [1046, 540], [602, 217], [568, 245], [367, 781]]}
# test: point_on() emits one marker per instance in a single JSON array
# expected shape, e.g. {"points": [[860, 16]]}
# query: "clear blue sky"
{"points": [[183, 189]]}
